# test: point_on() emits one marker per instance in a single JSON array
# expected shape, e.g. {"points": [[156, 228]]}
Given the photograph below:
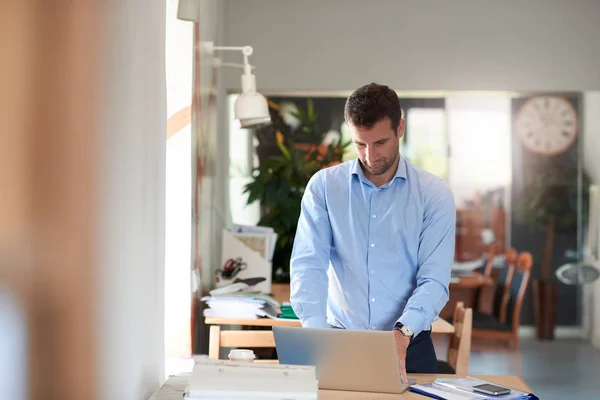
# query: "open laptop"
{"points": [[351, 360]]}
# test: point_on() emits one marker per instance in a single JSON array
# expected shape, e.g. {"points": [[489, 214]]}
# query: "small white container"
{"points": [[241, 355]]}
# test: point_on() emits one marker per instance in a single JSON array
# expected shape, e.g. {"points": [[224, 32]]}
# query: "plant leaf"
{"points": [[284, 151], [310, 110]]}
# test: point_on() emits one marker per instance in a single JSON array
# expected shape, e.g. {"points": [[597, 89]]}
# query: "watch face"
{"points": [[547, 124], [407, 331]]}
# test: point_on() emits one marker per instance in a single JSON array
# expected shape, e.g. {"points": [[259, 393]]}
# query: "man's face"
{"points": [[377, 147]]}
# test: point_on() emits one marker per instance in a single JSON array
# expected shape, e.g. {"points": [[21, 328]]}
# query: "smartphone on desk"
{"points": [[490, 389]]}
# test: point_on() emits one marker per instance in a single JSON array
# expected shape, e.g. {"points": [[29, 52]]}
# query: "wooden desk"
{"points": [[513, 382], [440, 326], [471, 281], [174, 388], [465, 289]]}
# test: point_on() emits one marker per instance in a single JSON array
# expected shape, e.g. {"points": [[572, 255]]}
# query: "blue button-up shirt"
{"points": [[366, 257]]}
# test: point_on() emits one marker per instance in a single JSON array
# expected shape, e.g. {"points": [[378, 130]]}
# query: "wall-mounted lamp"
{"points": [[251, 107]]}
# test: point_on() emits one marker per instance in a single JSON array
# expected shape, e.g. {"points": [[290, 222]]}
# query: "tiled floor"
{"points": [[557, 370]]}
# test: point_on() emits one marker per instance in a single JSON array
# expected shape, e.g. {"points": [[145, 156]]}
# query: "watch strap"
{"points": [[398, 326]]}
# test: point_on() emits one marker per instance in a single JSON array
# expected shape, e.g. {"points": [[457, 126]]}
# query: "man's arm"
{"points": [[435, 258], [310, 257]]}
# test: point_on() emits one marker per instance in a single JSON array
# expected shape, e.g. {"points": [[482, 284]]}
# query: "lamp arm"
{"points": [[210, 48], [247, 77], [219, 63], [229, 48]]}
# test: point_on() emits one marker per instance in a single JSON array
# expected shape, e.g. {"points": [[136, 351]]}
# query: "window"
{"points": [[425, 142]]}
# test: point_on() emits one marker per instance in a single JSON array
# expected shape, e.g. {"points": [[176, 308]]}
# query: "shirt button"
{"points": [[372, 244], [372, 271], [373, 327], [372, 299], [374, 216]]}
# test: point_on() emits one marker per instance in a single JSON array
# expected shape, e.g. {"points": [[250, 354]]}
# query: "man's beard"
{"points": [[383, 168]]}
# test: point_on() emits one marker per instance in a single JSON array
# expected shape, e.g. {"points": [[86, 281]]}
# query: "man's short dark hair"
{"points": [[371, 104]]}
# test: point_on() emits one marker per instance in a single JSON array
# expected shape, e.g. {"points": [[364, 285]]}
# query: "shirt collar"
{"points": [[357, 171]]}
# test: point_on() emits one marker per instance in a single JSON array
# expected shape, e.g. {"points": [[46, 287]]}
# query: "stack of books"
{"points": [[287, 312]]}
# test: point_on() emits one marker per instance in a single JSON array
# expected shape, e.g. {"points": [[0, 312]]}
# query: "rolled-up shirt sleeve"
{"points": [[310, 257], [435, 258]]}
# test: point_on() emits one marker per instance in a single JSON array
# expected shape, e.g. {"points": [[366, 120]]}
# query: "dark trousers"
{"points": [[420, 355]]}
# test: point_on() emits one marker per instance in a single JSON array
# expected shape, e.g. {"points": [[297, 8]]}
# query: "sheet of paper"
{"points": [[266, 231], [467, 266]]}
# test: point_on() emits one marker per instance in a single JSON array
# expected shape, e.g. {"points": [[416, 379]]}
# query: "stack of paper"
{"points": [[462, 389], [466, 267], [241, 306], [219, 379]]}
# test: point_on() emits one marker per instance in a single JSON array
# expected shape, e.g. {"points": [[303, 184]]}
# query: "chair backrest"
{"points": [[459, 350], [490, 261], [524, 263], [504, 285], [238, 339]]}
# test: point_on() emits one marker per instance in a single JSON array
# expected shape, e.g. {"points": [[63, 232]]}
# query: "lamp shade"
{"points": [[251, 109]]}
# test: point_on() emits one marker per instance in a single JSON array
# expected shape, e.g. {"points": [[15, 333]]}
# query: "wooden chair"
{"points": [[505, 294], [487, 271], [505, 327], [489, 298], [239, 339], [459, 350]]}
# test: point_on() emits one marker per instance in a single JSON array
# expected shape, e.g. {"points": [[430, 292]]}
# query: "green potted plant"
{"points": [[279, 182]]}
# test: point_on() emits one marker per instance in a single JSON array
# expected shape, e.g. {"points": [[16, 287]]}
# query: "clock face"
{"points": [[547, 124]]}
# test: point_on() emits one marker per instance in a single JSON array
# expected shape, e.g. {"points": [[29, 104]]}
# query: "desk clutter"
{"points": [[246, 306], [219, 379], [241, 306], [247, 253], [468, 389]]}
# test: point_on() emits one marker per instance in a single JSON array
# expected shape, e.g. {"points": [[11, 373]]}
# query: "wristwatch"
{"points": [[406, 330]]}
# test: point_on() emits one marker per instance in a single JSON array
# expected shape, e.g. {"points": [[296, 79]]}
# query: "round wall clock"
{"points": [[547, 124]]}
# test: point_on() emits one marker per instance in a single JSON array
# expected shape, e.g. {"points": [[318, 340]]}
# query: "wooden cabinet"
{"points": [[470, 223]]}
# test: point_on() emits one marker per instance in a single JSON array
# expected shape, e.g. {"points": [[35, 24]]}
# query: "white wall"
{"points": [[132, 203], [419, 44], [591, 135], [212, 140], [178, 217]]}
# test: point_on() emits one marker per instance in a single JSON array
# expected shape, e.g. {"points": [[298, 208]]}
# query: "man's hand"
{"points": [[402, 343]]}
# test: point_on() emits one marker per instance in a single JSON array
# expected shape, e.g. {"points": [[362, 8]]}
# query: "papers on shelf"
{"points": [[241, 306], [470, 266], [462, 389], [467, 266]]}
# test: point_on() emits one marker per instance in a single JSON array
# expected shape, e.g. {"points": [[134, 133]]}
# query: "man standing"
{"points": [[375, 240]]}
